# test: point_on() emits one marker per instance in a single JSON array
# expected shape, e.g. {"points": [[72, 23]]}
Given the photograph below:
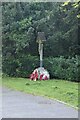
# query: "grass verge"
{"points": [[55, 89]]}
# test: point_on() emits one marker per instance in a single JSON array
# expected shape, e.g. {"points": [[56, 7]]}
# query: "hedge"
{"points": [[58, 67], [63, 68]]}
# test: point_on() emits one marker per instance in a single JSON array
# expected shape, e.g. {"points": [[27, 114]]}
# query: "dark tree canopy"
{"points": [[59, 22], [22, 21]]}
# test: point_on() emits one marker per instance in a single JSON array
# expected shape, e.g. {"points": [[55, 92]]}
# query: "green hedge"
{"points": [[21, 66], [59, 67], [63, 68]]}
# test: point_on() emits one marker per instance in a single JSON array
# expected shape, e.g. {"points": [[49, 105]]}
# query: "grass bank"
{"points": [[55, 89]]}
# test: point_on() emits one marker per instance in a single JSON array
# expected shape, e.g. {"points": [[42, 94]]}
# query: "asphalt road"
{"points": [[16, 104], [0, 102]]}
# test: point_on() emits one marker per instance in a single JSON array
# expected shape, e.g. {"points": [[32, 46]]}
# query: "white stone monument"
{"points": [[40, 40], [40, 73]]}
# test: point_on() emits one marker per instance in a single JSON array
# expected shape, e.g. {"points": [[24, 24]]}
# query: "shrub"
{"points": [[22, 66], [63, 68], [26, 65], [58, 67]]}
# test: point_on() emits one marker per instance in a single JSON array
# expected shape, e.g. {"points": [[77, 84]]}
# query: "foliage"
{"points": [[58, 67], [22, 21], [63, 68], [21, 67], [59, 22]]}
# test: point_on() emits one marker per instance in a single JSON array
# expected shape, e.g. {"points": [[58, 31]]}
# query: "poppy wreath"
{"points": [[39, 74]]}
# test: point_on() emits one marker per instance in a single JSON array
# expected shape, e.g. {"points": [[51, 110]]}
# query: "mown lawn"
{"points": [[0, 80], [56, 89]]}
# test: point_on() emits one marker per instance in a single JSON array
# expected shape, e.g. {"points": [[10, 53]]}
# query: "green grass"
{"points": [[0, 80], [55, 89]]}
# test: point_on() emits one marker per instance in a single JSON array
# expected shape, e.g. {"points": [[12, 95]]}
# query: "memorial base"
{"points": [[40, 74]]}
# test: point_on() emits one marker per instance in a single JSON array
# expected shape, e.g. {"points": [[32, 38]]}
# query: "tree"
{"points": [[22, 21]]}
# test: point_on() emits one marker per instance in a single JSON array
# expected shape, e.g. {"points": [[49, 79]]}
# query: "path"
{"points": [[20, 105]]}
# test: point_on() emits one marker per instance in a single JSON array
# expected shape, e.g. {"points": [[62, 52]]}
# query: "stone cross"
{"points": [[40, 40]]}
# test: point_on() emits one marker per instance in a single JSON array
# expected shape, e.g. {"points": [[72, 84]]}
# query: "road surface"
{"points": [[17, 104]]}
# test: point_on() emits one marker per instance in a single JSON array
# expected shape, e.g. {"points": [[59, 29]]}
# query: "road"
{"points": [[17, 104], [0, 102]]}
